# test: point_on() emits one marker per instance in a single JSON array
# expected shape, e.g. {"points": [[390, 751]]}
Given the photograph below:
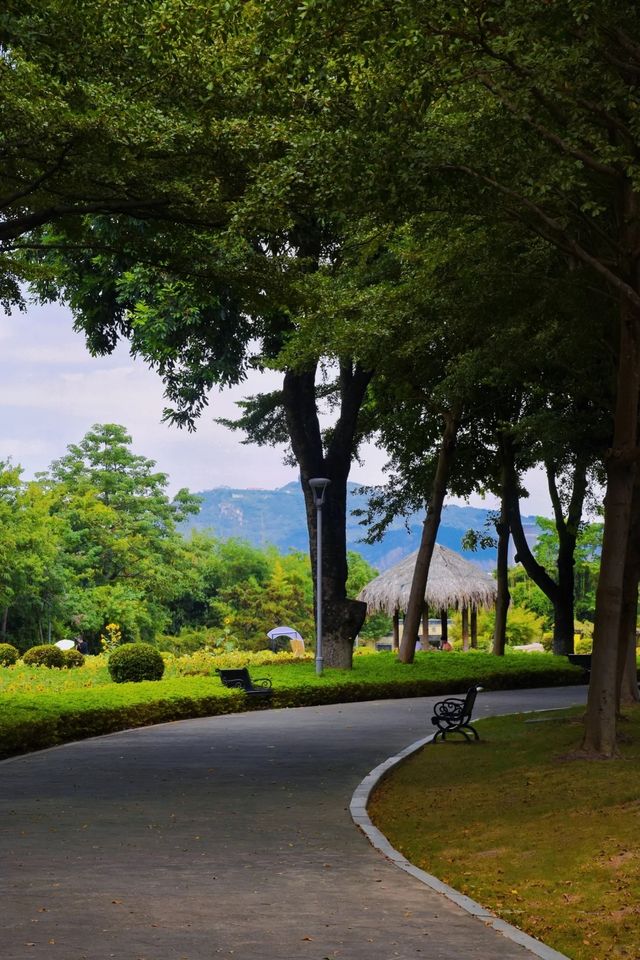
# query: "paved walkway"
{"points": [[225, 837]]}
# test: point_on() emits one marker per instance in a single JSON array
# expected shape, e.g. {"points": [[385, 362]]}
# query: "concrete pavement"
{"points": [[226, 837]]}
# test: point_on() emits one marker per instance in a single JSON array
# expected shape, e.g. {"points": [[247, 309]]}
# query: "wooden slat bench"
{"points": [[239, 679], [453, 715]]}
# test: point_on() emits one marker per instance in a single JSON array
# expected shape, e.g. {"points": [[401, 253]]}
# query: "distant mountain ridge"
{"points": [[277, 517]]}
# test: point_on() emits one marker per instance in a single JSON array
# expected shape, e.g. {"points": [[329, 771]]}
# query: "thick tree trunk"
{"points": [[342, 618], [600, 722], [503, 598], [626, 669], [428, 540], [627, 672], [563, 624]]}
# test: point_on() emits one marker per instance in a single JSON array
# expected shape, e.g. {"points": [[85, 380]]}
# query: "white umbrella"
{"points": [[65, 644], [284, 632]]}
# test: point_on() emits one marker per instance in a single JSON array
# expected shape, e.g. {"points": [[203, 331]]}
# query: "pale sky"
{"points": [[52, 392]]}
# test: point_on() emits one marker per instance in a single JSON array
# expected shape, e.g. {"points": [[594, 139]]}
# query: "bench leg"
{"points": [[463, 728]]}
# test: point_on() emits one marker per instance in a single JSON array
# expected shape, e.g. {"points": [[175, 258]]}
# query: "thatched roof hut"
{"points": [[453, 582]]}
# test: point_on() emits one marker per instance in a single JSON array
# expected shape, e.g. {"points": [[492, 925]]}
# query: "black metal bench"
{"points": [[453, 715], [581, 660], [239, 679]]}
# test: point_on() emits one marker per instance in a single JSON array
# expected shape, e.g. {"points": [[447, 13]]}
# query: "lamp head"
{"points": [[318, 487]]}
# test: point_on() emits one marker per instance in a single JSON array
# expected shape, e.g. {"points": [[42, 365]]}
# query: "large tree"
{"points": [[537, 107], [123, 557], [107, 109]]}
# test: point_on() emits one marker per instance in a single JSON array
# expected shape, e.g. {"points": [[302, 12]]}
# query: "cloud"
{"points": [[52, 391]]}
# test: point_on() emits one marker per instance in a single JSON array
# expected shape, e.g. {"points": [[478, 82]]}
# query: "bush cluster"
{"points": [[134, 662], [8, 654], [73, 658], [44, 655]]}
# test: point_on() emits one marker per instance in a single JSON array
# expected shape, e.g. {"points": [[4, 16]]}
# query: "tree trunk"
{"points": [[561, 594], [474, 627], [511, 497], [342, 618], [428, 540], [600, 721], [465, 627], [563, 604], [626, 669], [503, 598]]}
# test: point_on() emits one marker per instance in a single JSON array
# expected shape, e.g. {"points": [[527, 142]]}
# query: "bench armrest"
{"points": [[262, 681], [450, 709]]}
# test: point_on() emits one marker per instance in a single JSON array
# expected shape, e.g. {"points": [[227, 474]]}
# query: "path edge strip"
{"points": [[359, 815]]}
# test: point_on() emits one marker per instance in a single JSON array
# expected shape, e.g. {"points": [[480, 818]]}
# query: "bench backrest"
{"points": [[236, 678], [469, 701]]}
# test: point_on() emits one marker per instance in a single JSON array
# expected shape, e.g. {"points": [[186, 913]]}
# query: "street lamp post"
{"points": [[318, 488]]}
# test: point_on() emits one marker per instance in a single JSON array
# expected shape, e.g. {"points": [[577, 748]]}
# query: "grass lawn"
{"points": [[40, 707], [549, 844]]}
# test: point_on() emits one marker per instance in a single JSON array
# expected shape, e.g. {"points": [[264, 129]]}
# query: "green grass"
{"points": [[549, 844], [40, 707]]}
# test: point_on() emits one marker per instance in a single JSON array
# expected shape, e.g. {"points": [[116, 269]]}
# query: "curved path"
{"points": [[225, 837]]}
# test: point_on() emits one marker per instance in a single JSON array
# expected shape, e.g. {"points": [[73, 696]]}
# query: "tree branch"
{"points": [[556, 232]]}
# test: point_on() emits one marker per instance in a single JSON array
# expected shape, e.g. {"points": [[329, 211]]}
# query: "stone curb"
{"points": [[358, 810]]}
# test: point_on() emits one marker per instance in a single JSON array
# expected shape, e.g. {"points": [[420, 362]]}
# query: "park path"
{"points": [[225, 837]]}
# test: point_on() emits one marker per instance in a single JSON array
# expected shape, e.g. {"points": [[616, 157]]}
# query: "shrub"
{"points": [[134, 662], [73, 658], [8, 654], [44, 655], [582, 644]]}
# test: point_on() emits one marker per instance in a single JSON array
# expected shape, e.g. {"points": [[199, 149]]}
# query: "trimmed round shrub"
{"points": [[8, 654], [44, 655], [134, 662], [73, 658]]}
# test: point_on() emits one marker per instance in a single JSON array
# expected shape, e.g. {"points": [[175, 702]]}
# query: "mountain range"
{"points": [[277, 517]]}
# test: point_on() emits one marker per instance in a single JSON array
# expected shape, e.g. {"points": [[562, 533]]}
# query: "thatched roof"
{"points": [[453, 582]]}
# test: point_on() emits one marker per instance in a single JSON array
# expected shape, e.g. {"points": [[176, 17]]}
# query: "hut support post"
{"points": [[396, 630], [444, 631], [465, 627], [425, 627], [474, 627]]}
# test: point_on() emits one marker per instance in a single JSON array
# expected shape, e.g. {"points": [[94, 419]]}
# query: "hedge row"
{"points": [[83, 716]]}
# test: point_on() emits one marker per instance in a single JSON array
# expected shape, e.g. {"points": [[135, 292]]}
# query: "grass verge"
{"points": [[550, 845], [40, 707]]}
